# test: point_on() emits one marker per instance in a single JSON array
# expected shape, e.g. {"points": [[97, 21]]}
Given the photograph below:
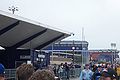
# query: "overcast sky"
{"points": [[100, 18]]}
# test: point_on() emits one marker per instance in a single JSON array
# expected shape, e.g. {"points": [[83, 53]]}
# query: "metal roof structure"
{"points": [[19, 32]]}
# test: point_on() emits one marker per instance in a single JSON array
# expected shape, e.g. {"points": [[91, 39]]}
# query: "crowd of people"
{"points": [[27, 72], [101, 72], [95, 72], [64, 70]]}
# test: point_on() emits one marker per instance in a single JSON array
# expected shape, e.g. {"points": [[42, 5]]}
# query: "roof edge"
{"points": [[33, 22]]}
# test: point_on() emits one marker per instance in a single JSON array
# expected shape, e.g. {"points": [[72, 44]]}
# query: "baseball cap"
{"points": [[86, 64], [107, 74], [2, 69]]}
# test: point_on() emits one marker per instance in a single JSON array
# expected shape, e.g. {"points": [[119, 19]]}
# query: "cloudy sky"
{"points": [[99, 18]]}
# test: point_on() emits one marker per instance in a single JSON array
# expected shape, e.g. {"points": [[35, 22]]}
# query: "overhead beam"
{"points": [[47, 43], [8, 27], [28, 39]]}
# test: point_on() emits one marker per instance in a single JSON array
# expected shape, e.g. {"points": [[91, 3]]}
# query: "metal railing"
{"points": [[10, 74], [72, 73]]}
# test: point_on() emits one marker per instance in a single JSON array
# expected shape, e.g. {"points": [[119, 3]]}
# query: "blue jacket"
{"points": [[96, 75], [86, 74]]}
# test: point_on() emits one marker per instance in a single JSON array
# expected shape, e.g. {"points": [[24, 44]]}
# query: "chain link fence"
{"points": [[10, 74]]}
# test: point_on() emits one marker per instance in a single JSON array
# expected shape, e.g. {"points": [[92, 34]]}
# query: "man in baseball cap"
{"points": [[2, 72], [86, 71]]}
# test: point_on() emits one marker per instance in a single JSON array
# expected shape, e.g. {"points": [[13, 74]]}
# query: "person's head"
{"points": [[108, 78], [87, 66], [42, 75], [105, 76], [109, 65], [66, 63], [24, 71], [104, 66], [61, 64], [99, 68], [2, 72]]}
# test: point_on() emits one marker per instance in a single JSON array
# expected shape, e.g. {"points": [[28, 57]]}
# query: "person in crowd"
{"points": [[24, 71], [94, 68], [55, 69], [105, 76], [118, 71], [114, 66], [111, 71], [60, 70], [86, 74], [72, 70], [67, 69], [2, 72], [42, 75], [97, 73], [51, 69]]}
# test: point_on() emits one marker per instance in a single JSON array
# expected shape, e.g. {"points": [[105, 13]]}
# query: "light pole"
{"points": [[73, 48], [13, 9], [82, 52]]}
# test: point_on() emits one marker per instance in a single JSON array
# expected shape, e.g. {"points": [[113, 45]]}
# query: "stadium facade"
{"points": [[68, 51]]}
